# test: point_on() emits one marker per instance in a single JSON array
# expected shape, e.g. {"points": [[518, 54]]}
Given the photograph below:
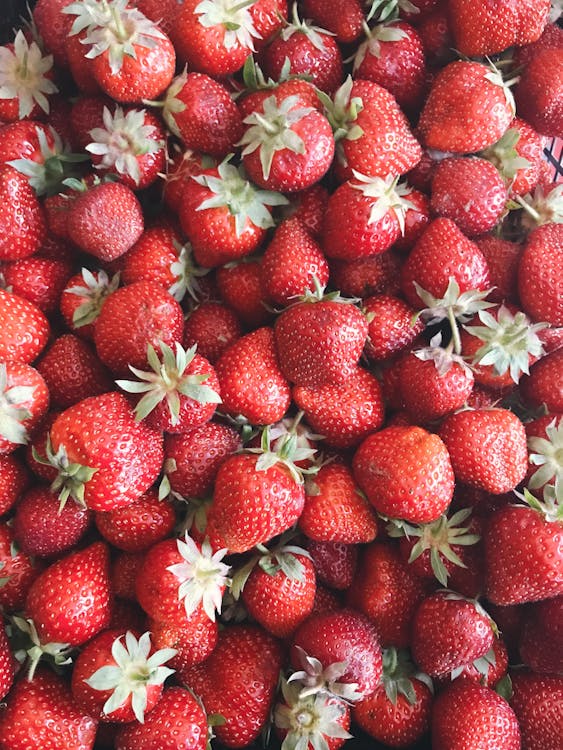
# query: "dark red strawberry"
{"points": [[536, 700], [138, 526]]}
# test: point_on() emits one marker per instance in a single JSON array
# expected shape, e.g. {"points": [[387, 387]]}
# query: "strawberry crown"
{"points": [[12, 411], [309, 721], [271, 130], [398, 674], [313, 679], [29, 648], [97, 286], [202, 576], [550, 507], [374, 37], [186, 272], [389, 10], [437, 537], [504, 155], [494, 76], [387, 196], [244, 200], [542, 208], [122, 140], [547, 454], [132, 673], [509, 340], [168, 380], [483, 665], [342, 112], [443, 358], [287, 451], [234, 16], [72, 477], [297, 26], [22, 75]]}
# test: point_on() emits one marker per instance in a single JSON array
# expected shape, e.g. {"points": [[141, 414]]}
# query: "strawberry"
{"points": [[158, 320], [310, 50], [487, 448], [503, 259], [345, 638], [279, 591], [179, 578], [177, 719], [24, 400], [128, 143], [398, 712], [240, 287], [38, 279], [22, 222], [251, 381], [387, 592], [470, 192], [335, 510], [7, 663], [238, 681], [124, 570], [543, 384], [224, 215], [521, 552], [448, 632], [72, 372], [343, 18], [319, 340], [536, 700], [17, 571], [406, 473], [24, 329], [344, 413], [42, 713], [436, 35], [541, 267], [551, 37], [469, 108], [26, 80], [542, 637], [290, 263], [138, 526], [376, 274], [538, 95], [14, 479], [53, 26], [42, 529], [335, 563], [119, 677], [70, 601], [544, 438], [373, 135], [488, 670], [393, 57], [309, 206], [82, 300], [212, 327], [488, 29], [466, 713], [288, 146], [192, 460], [105, 459], [105, 220], [391, 326], [200, 111], [193, 639]]}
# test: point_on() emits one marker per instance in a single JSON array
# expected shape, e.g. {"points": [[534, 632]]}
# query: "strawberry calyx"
{"points": [[313, 33], [234, 16], [398, 674], [187, 273], [443, 358], [89, 13], [388, 196], [271, 130], [202, 576], [122, 140], [504, 156], [97, 286], [287, 451], [56, 165], [309, 721], [551, 505], [547, 454], [483, 665], [244, 200], [168, 380], [28, 648], [313, 679], [540, 208], [494, 76], [342, 112], [509, 340], [12, 413], [383, 32], [387, 10], [72, 477], [437, 537], [23, 75], [134, 670]]}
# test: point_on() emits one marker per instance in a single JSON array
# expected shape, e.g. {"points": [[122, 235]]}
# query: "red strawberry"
{"points": [[335, 563], [42, 713], [376, 274], [469, 108], [391, 326], [238, 681], [536, 700], [105, 459], [158, 320], [201, 112], [541, 267], [487, 448], [240, 287], [138, 526], [343, 17], [212, 327], [14, 479], [251, 381], [42, 529], [24, 329], [22, 222], [17, 572], [544, 383], [82, 300], [466, 713], [70, 601], [538, 95], [53, 27], [488, 29], [39, 280], [406, 473], [118, 677], [503, 259], [24, 400], [541, 640], [193, 638]]}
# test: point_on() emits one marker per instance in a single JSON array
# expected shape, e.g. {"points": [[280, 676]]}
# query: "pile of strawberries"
{"points": [[281, 375]]}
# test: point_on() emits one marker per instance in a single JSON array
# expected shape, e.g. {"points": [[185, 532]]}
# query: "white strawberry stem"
{"points": [[547, 453], [12, 412], [23, 76], [313, 679], [550, 507], [287, 452], [235, 19], [388, 196], [28, 647], [94, 292]]}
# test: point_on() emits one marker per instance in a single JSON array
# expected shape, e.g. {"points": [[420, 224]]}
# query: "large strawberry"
{"points": [[541, 267], [538, 94], [70, 601], [104, 458], [536, 700]]}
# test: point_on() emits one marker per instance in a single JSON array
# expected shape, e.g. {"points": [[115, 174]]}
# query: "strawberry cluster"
{"points": [[281, 369]]}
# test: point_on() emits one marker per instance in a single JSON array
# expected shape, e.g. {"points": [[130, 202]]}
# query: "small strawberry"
{"points": [[541, 639], [14, 479], [212, 327], [24, 401], [17, 571], [22, 221], [193, 639], [53, 27], [240, 287], [343, 17], [335, 563], [38, 279], [503, 259], [70, 601], [392, 326]]}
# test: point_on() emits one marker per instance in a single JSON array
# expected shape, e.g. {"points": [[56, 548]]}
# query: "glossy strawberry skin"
{"points": [[138, 526], [538, 95], [406, 473], [38, 279], [7, 663], [35, 406], [22, 222], [543, 386], [541, 268], [335, 564], [18, 572], [390, 326], [193, 638], [24, 329], [14, 479], [71, 600], [537, 701], [343, 17]]}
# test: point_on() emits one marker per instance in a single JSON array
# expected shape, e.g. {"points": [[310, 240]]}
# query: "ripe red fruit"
{"points": [[537, 701], [138, 526], [540, 275], [22, 222], [24, 401], [538, 94], [24, 329]]}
